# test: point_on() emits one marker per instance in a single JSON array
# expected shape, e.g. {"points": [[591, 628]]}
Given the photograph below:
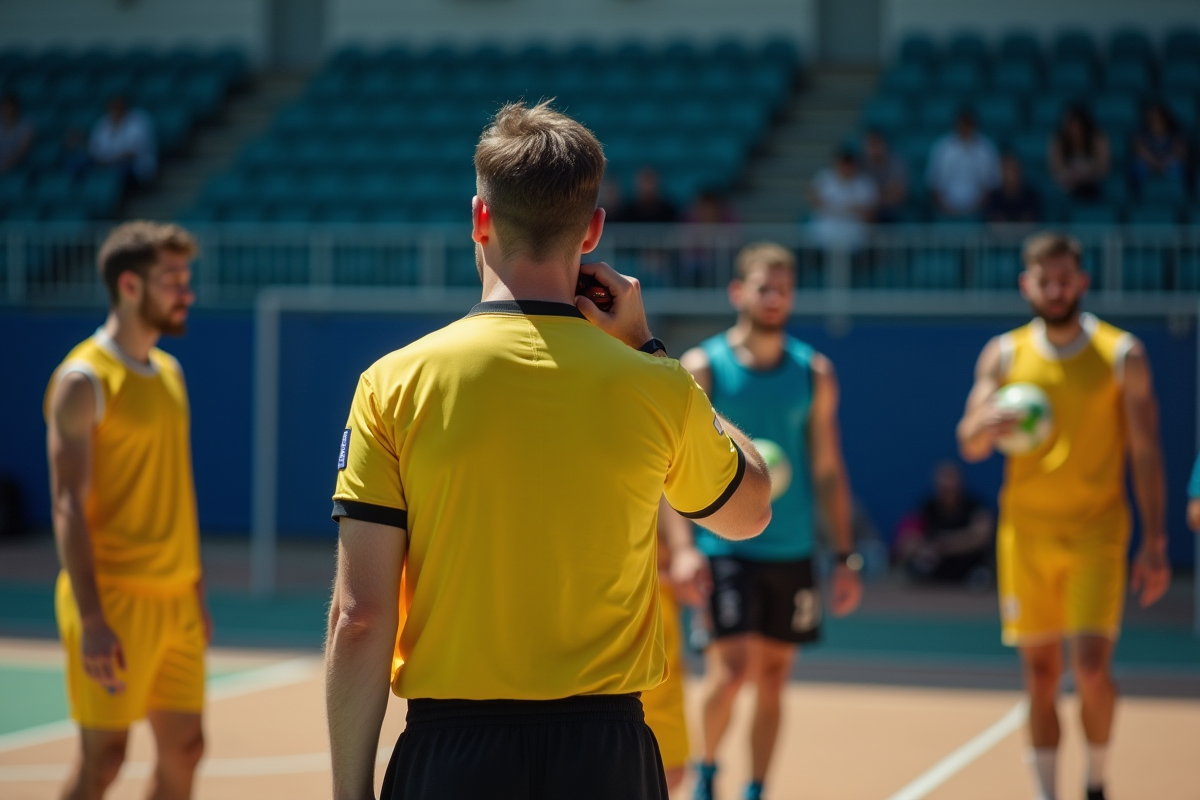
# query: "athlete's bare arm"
{"points": [[830, 480], [746, 513], [363, 619], [982, 422], [690, 574], [1193, 514], [69, 445], [1151, 572]]}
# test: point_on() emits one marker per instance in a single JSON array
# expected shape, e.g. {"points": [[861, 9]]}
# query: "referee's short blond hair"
{"points": [[764, 254]]}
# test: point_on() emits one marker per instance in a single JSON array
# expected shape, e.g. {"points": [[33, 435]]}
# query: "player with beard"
{"points": [[130, 598], [1064, 517], [763, 597]]}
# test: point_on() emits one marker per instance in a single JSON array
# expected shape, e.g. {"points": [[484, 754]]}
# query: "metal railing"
{"points": [[684, 268]]}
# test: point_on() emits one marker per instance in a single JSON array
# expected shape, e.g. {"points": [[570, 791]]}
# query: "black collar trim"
{"points": [[529, 308]]}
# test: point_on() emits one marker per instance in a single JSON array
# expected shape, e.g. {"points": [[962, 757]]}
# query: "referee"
{"points": [[497, 494]]}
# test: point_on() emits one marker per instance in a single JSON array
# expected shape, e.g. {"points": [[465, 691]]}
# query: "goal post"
{"points": [[271, 304]]}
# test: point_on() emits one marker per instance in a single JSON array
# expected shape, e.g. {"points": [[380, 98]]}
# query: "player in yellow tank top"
{"points": [[129, 602], [1064, 518]]}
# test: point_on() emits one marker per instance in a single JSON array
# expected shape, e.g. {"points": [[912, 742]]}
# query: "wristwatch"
{"points": [[653, 346], [851, 561]]}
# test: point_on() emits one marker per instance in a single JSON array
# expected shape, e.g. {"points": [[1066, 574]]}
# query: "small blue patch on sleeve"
{"points": [[344, 452]]}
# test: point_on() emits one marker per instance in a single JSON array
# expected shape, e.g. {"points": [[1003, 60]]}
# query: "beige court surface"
{"points": [[266, 734]]}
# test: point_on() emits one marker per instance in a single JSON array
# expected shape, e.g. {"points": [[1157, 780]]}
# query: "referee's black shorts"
{"points": [[596, 747]]}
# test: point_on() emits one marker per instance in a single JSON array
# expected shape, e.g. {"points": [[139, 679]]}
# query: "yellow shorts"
{"points": [[664, 703], [162, 637], [1057, 581]]}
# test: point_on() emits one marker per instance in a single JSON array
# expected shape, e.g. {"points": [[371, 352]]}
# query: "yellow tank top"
{"points": [[141, 505], [1078, 474]]}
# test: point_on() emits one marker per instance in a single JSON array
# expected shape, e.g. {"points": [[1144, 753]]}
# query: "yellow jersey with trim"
{"points": [[1078, 474], [525, 451], [141, 504]]}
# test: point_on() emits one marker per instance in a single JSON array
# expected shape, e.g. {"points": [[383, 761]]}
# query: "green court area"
{"points": [[30, 696]]}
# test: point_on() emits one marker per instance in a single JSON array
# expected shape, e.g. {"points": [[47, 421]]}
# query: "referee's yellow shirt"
{"points": [[525, 451]]}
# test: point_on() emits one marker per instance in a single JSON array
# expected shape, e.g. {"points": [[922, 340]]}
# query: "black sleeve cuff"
{"points": [[716, 505], [366, 512]]}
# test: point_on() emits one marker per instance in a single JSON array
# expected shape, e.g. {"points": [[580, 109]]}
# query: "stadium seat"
{"points": [[1181, 76], [1130, 44], [1074, 45], [1093, 214], [960, 76], [1116, 190], [100, 193], [1183, 106], [889, 113], [919, 48], [1016, 75], [1116, 113], [1128, 76], [937, 114], [998, 115], [967, 46], [53, 188], [1046, 111], [1163, 190], [1183, 42], [1074, 76], [1021, 45]]}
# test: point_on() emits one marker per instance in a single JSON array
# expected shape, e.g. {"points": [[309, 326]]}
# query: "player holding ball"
{"points": [[1064, 518]]}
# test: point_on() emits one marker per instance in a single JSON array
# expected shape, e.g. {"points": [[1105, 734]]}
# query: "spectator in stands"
{"points": [[963, 167], [1079, 155], [648, 204], [710, 208], [1013, 201], [949, 538], [889, 174], [843, 199], [16, 133], [124, 138], [1160, 148]]}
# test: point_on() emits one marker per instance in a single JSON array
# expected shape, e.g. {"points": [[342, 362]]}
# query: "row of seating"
{"points": [[59, 196], [391, 134], [1025, 77], [1124, 44]]}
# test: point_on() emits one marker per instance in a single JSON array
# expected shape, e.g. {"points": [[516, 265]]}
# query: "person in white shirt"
{"points": [[124, 138], [843, 201], [964, 166]]}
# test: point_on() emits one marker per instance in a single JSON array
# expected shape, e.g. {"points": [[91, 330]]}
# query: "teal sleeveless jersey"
{"points": [[769, 404]]}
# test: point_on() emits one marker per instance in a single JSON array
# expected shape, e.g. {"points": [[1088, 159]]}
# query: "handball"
{"points": [[1035, 417], [778, 466]]}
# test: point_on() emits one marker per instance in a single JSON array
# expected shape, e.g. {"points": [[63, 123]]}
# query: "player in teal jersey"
{"points": [[762, 594]]}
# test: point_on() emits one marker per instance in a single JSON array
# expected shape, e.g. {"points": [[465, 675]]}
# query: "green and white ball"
{"points": [[1035, 418], [778, 466]]}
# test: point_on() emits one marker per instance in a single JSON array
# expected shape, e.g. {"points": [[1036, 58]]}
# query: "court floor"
{"points": [[265, 726]]}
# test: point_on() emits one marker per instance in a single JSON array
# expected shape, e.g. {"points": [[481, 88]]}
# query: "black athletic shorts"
{"points": [[596, 747], [777, 599]]}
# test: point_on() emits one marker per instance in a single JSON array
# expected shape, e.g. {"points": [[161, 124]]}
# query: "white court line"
{"points": [[209, 768], [954, 763], [274, 676]]}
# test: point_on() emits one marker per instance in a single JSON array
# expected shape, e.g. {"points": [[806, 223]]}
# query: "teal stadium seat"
{"points": [[889, 113], [961, 76], [1046, 111], [1163, 190], [100, 193], [1116, 113], [1073, 45], [1183, 105], [1022, 45], [918, 48], [1182, 42], [937, 114], [909, 77], [1130, 44], [1154, 213], [999, 115], [1017, 75], [1093, 214], [968, 46], [1128, 76], [1074, 76], [1181, 76]]}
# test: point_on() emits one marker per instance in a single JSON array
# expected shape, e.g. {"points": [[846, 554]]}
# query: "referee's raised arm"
{"points": [[498, 487]]}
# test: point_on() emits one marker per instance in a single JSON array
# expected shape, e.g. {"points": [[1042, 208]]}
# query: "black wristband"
{"points": [[653, 346]]}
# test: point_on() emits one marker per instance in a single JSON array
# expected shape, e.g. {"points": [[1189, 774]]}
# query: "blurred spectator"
{"points": [[124, 138], [889, 174], [1079, 155], [75, 157], [963, 167], [1160, 148], [648, 204], [949, 538], [16, 134], [843, 201], [610, 197], [1014, 201], [710, 208]]}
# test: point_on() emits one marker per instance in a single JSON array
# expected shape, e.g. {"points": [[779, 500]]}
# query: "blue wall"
{"points": [[903, 388]]}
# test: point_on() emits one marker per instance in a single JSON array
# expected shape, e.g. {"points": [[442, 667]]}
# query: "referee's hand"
{"points": [[627, 319]]}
